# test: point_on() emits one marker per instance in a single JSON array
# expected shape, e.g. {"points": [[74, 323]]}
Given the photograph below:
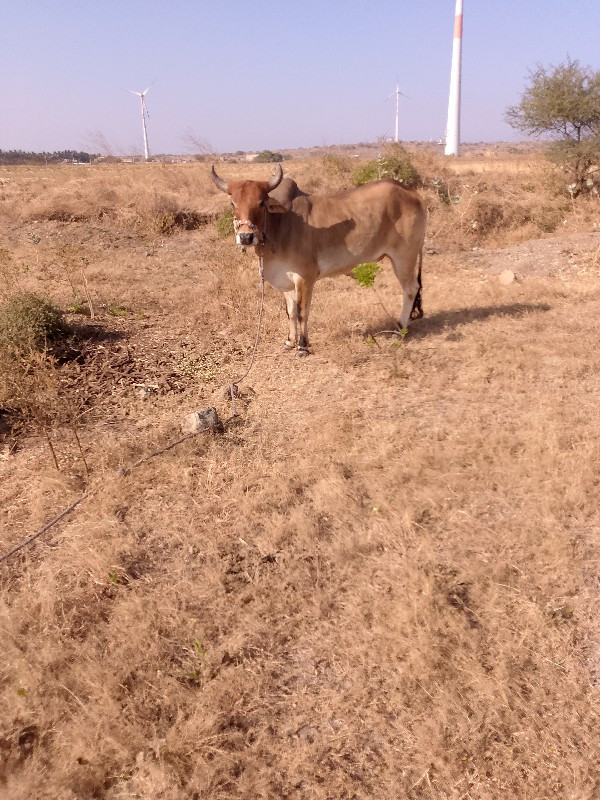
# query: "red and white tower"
{"points": [[453, 127]]}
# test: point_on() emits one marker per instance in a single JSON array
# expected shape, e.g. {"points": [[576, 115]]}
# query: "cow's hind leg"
{"points": [[409, 276], [417, 308]]}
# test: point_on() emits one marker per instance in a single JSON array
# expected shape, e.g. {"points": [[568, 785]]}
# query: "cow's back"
{"points": [[386, 196], [337, 231]]}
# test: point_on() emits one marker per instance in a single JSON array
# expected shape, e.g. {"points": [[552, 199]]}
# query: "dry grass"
{"points": [[380, 583], [160, 199]]}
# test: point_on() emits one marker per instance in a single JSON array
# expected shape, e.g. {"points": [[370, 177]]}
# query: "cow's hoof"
{"points": [[302, 352], [288, 345]]}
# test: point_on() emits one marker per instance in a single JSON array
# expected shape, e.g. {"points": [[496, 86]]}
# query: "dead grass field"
{"points": [[380, 582]]}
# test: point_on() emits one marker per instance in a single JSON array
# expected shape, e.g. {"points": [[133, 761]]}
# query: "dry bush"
{"points": [[9, 274], [29, 383], [494, 208], [27, 323], [337, 171]]}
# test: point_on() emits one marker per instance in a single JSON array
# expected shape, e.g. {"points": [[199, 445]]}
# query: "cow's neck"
{"points": [[271, 236]]}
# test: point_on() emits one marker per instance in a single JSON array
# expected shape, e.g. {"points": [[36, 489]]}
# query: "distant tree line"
{"points": [[57, 157]]}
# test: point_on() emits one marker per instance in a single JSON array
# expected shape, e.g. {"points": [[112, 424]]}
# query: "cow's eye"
{"points": [[261, 204]]}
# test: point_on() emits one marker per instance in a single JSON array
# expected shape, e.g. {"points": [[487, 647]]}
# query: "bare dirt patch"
{"points": [[574, 255]]}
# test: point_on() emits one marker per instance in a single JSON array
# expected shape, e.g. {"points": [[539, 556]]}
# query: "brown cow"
{"points": [[304, 237]]}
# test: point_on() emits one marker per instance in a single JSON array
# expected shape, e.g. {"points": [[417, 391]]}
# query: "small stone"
{"points": [[307, 733], [507, 277], [145, 392], [207, 420]]}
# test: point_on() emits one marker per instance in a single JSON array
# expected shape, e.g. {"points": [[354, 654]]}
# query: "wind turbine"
{"points": [[453, 127], [397, 93], [142, 96]]}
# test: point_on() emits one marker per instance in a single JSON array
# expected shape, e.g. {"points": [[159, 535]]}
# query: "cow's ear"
{"points": [[276, 206]]}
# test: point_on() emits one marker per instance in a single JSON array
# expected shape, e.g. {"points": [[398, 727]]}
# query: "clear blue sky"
{"points": [[271, 73]]}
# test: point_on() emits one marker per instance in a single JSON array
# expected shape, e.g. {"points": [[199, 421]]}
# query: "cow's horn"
{"points": [[276, 179], [218, 182]]}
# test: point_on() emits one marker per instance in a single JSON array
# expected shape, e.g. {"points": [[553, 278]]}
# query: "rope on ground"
{"points": [[46, 527], [233, 386], [126, 470], [75, 503]]}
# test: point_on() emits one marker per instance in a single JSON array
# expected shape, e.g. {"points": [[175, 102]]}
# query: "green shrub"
{"points": [[365, 173], [28, 323], [364, 274], [224, 224], [394, 162]]}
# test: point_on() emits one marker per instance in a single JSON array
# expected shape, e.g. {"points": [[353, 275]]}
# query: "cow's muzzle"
{"points": [[246, 238]]}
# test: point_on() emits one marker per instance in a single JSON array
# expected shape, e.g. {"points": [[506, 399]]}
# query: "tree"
{"points": [[563, 104]]}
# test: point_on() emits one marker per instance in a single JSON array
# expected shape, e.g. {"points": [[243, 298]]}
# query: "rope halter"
{"points": [[237, 223], [260, 237]]}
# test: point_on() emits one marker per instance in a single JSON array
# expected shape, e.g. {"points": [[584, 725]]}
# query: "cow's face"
{"points": [[249, 201]]}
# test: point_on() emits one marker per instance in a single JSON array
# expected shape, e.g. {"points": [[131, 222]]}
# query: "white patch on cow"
{"points": [[276, 274], [253, 243]]}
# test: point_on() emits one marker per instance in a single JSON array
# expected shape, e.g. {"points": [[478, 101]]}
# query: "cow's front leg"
{"points": [[303, 296], [291, 308], [304, 291]]}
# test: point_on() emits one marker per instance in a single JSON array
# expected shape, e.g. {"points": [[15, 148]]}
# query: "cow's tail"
{"points": [[417, 309]]}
